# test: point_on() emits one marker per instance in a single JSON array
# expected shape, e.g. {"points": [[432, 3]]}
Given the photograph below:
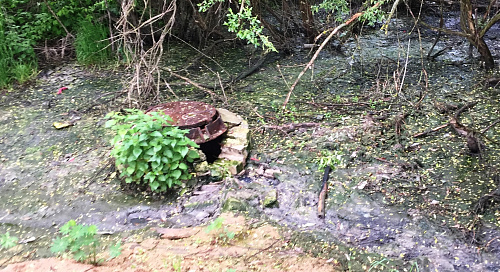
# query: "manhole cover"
{"points": [[202, 120]]}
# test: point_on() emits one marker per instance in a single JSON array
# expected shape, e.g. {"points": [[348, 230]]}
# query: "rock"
{"points": [[233, 204], [271, 199], [64, 124], [234, 148], [229, 118], [271, 173], [202, 167], [223, 168], [202, 215]]}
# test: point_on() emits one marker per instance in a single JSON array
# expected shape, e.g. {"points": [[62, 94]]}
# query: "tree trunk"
{"points": [[473, 35], [307, 20]]}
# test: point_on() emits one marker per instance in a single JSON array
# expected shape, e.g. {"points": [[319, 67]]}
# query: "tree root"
{"points": [[292, 127]]}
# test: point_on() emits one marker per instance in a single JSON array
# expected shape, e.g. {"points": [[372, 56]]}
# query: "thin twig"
{"points": [[192, 83], [57, 18]]}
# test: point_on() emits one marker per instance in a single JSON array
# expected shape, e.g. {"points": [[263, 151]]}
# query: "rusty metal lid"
{"points": [[202, 120]]}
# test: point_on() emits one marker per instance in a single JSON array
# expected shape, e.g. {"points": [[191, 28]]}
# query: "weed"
{"points": [[7, 241], [22, 72], [92, 46], [330, 158], [222, 233], [177, 264], [81, 242]]}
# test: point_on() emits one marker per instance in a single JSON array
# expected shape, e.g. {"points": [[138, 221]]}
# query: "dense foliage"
{"points": [[149, 150], [26, 25]]}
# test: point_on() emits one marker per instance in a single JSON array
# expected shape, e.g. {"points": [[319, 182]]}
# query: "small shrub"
{"points": [[149, 150], [222, 233], [81, 242], [92, 46], [7, 241]]}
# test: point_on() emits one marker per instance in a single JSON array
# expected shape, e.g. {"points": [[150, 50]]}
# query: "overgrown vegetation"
{"points": [[28, 27], [92, 46], [148, 150], [81, 242]]}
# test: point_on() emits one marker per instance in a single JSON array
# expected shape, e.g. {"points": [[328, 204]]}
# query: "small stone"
{"points": [[233, 204], [202, 167], [202, 215], [271, 199], [229, 117]]}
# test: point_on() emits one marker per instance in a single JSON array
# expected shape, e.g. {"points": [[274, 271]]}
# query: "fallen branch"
{"points": [[292, 127], [490, 126], [427, 132], [323, 193], [469, 134], [192, 83], [310, 63]]}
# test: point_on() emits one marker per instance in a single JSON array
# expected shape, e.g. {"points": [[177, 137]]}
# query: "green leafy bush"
{"points": [[81, 242], [92, 46], [149, 150], [7, 241]]}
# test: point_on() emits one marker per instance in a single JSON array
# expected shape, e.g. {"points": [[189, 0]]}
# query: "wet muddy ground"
{"points": [[398, 201]]}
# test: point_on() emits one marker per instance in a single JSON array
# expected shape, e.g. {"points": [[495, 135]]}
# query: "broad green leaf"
{"points": [[130, 170], [150, 152], [137, 152], [157, 148], [143, 137], [168, 153], [154, 165], [184, 150], [156, 134], [193, 154], [122, 132], [176, 174], [138, 174], [154, 185], [183, 166], [174, 165], [142, 166], [110, 123]]}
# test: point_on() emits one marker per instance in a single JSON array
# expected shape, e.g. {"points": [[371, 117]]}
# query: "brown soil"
{"points": [[260, 248]]}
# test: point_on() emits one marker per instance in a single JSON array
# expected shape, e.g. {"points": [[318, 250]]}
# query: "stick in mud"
{"points": [[323, 193]]}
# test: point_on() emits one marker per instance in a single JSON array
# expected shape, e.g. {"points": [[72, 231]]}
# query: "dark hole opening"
{"points": [[212, 149]]}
